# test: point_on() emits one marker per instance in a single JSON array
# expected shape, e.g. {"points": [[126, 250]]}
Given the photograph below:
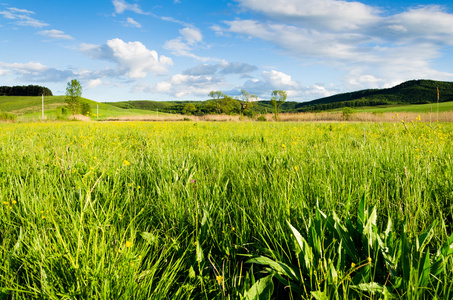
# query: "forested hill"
{"points": [[25, 90], [409, 92]]}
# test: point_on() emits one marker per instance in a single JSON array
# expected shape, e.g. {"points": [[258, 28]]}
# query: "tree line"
{"points": [[25, 90], [245, 105]]}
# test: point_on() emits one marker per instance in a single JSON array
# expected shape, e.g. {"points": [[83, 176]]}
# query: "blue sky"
{"points": [[182, 50]]}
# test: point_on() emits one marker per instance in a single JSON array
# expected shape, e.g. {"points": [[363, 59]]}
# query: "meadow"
{"points": [[226, 210]]}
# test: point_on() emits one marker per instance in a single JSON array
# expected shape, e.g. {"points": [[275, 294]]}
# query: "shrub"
{"points": [[85, 109], [261, 119], [347, 113], [7, 117]]}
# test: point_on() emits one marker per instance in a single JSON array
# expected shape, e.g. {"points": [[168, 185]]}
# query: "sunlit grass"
{"points": [[174, 210]]}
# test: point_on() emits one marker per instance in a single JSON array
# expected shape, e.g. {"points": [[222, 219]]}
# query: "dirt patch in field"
{"points": [[80, 118]]}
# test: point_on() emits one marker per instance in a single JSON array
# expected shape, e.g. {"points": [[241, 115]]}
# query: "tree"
{"points": [[73, 93], [216, 95], [278, 98], [189, 109], [246, 100]]}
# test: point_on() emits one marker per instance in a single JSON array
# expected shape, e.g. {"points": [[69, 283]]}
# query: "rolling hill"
{"points": [[29, 107], [407, 93]]}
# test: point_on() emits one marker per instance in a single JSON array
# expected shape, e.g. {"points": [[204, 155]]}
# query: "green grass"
{"points": [[422, 108], [29, 108], [175, 210]]}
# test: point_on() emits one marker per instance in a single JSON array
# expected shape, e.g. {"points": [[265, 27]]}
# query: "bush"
{"points": [[85, 109], [261, 119], [347, 113], [7, 117]]}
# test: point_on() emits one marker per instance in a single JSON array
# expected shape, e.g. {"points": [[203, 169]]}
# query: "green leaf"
{"points": [[318, 295], [261, 290], [368, 229], [405, 257], [304, 247], [334, 225], [424, 238], [278, 267], [361, 214], [424, 270], [371, 287], [150, 238], [200, 255]]}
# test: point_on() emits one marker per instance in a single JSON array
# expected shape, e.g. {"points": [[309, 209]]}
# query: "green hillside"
{"points": [[29, 107], [410, 92], [397, 98]]}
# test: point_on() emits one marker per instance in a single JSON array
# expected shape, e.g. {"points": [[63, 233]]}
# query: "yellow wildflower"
{"points": [[126, 163], [352, 265], [128, 244], [219, 279]]}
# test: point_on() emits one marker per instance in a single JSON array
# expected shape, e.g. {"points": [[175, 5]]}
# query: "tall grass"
{"points": [[175, 210]]}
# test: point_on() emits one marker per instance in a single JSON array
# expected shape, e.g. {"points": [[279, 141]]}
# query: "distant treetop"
{"points": [[29, 90]]}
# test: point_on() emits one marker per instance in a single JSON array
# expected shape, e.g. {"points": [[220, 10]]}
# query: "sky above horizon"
{"points": [[181, 50]]}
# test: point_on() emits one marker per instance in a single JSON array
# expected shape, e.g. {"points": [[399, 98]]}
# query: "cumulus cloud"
{"points": [[272, 80], [93, 83], [184, 45], [22, 17], [351, 35], [191, 35], [182, 85], [132, 59], [56, 34]]}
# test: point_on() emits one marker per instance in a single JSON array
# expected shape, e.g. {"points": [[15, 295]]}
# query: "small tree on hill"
{"points": [[246, 100], [216, 95], [278, 98], [73, 94]]}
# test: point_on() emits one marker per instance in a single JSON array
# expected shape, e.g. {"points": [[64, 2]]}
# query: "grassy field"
{"points": [[30, 109], [188, 210], [417, 108]]}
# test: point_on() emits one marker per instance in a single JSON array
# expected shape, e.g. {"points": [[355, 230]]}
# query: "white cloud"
{"points": [[35, 72], [23, 11], [353, 37], [191, 35], [223, 68], [132, 22], [272, 80], [279, 80], [122, 6], [133, 59], [22, 16], [56, 34], [185, 44], [332, 14], [93, 83], [24, 67], [426, 23]]}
